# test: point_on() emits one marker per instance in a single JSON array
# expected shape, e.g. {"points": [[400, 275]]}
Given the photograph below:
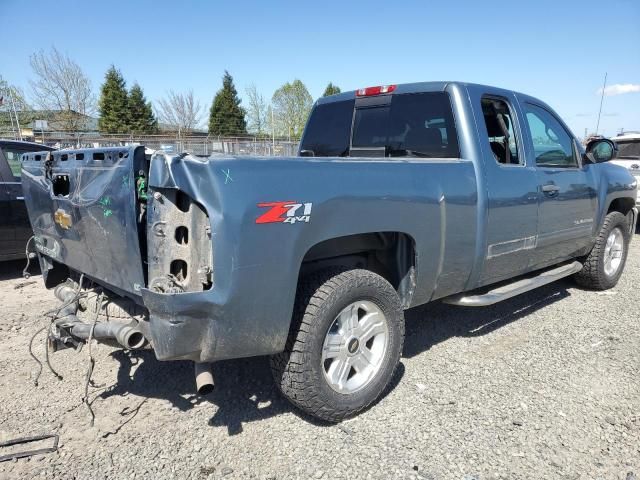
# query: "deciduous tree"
{"points": [[257, 111], [61, 85], [292, 105], [180, 111]]}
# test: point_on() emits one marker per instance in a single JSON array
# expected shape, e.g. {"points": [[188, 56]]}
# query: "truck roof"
{"points": [[627, 136], [416, 87]]}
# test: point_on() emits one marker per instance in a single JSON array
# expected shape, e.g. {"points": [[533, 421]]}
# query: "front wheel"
{"points": [[344, 346], [604, 265]]}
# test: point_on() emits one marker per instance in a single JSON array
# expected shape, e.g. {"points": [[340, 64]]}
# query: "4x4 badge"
{"points": [[285, 212]]}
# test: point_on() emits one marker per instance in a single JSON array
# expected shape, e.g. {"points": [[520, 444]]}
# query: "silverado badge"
{"points": [[62, 218]]}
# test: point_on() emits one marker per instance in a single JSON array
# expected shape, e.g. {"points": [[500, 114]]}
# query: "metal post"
{"points": [[15, 112]]}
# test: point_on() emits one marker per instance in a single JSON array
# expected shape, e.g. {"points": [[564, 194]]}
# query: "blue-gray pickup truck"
{"points": [[401, 195]]}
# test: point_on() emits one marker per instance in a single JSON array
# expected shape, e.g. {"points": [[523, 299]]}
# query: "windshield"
{"points": [[628, 149], [407, 125]]}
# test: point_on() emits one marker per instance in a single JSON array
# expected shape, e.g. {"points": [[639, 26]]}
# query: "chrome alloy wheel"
{"points": [[613, 251], [354, 347]]}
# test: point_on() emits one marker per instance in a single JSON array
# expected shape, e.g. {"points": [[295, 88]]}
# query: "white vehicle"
{"points": [[629, 154]]}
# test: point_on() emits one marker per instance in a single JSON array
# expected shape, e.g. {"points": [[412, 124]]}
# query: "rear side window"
{"points": [[415, 125], [329, 130]]}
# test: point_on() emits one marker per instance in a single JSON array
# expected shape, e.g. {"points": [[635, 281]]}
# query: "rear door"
{"points": [[568, 196], [512, 186]]}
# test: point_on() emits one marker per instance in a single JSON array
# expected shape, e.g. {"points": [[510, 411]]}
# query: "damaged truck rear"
{"points": [[401, 195]]}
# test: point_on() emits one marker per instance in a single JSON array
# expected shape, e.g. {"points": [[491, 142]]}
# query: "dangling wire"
{"points": [[91, 362], [35, 381], [25, 272]]}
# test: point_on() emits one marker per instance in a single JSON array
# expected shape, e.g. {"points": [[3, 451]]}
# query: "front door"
{"points": [[568, 198]]}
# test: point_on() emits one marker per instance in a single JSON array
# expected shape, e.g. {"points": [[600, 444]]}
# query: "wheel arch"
{"points": [[392, 255]]}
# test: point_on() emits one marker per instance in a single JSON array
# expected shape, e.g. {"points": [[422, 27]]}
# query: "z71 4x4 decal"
{"points": [[285, 212]]}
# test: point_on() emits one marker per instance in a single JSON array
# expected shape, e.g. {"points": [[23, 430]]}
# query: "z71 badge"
{"points": [[285, 212]]}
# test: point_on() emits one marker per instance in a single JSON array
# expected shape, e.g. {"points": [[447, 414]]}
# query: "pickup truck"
{"points": [[401, 195]]}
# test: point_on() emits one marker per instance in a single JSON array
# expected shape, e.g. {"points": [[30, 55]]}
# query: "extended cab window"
{"points": [[552, 144], [499, 122], [417, 125]]}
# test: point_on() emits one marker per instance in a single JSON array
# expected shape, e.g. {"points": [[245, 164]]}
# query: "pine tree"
{"points": [[140, 113], [113, 103], [226, 116], [331, 90]]}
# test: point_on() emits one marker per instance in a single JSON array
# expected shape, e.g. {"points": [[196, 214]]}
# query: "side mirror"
{"points": [[601, 150]]}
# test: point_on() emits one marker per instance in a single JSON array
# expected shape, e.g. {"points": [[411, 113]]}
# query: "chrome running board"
{"points": [[516, 288]]}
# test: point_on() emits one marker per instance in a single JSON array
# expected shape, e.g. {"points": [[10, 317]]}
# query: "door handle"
{"points": [[19, 198], [550, 189]]}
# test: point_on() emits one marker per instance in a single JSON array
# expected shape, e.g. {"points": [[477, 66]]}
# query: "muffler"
{"points": [[128, 335]]}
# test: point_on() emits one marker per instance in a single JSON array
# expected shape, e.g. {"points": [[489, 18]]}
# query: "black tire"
{"points": [[593, 275], [298, 371]]}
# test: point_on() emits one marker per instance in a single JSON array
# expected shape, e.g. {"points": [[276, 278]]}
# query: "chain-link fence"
{"points": [[198, 145]]}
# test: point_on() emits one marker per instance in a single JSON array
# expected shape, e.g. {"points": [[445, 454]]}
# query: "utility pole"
{"points": [[601, 100]]}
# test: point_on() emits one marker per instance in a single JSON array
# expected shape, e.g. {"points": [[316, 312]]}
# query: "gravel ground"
{"points": [[545, 385]]}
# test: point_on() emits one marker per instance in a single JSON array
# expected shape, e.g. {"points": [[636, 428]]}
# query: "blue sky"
{"points": [[556, 50]]}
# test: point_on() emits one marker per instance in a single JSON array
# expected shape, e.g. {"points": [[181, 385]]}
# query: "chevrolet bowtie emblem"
{"points": [[62, 218]]}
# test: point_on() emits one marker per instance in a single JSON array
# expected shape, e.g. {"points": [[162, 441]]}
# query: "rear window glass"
{"points": [[418, 125], [329, 129], [415, 125]]}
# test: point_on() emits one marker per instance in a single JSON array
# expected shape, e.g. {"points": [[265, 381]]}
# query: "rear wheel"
{"points": [[344, 345], [604, 264]]}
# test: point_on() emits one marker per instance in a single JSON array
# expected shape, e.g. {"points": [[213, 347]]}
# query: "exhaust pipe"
{"points": [[128, 336], [204, 378]]}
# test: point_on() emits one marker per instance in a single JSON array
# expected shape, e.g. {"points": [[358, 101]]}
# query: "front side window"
{"points": [[552, 144], [502, 140]]}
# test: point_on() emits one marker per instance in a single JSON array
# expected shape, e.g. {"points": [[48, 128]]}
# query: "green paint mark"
{"points": [[105, 201], [108, 212]]}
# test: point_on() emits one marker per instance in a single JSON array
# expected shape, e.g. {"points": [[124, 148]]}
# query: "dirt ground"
{"points": [[545, 385]]}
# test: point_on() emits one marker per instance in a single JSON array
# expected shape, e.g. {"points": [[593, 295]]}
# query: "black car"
{"points": [[15, 228]]}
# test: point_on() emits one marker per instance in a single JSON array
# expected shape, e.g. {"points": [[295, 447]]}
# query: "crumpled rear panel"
{"points": [[97, 231]]}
